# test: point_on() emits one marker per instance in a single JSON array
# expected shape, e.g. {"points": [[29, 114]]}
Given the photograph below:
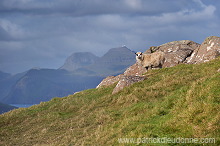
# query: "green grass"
{"points": [[182, 101]]}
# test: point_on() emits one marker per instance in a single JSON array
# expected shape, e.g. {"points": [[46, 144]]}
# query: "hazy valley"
{"points": [[80, 71]]}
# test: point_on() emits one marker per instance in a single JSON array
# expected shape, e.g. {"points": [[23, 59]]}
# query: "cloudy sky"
{"points": [[43, 33]]}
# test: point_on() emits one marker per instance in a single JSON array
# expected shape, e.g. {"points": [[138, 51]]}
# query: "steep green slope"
{"points": [[182, 101]]}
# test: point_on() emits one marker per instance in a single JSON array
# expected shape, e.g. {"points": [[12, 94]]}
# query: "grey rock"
{"points": [[135, 70], [110, 80], [209, 49], [127, 81], [177, 52]]}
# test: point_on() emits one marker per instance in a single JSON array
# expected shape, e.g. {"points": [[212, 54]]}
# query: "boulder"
{"points": [[135, 70], [173, 46], [209, 49], [110, 80], [175, 58], [127, 81], [176, 52]]}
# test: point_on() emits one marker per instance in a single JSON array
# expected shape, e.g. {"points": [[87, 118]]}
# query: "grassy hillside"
{"points": [[182, 101]]}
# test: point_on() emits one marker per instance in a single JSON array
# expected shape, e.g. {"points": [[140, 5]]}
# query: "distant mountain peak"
{"points": [[78, 60], [119, 52], [114, 61]]}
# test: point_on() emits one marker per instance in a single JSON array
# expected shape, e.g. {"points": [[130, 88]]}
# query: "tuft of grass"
{"points": [[182, 101]]}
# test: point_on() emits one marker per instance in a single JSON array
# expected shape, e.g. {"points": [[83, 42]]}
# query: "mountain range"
{"points": [[115, 61], [81, 70]]}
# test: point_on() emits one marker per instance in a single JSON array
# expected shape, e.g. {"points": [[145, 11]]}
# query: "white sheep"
{"points": [[148, 61]]}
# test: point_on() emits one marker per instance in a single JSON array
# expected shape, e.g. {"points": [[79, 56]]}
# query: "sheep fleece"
{"points": [[152, 60]]}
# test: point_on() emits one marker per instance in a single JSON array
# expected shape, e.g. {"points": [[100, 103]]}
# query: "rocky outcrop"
{"points": [[210, 49], [135, 70], [110, 80], [133, 74], [127, 81], [176, 52], [123, 81]]}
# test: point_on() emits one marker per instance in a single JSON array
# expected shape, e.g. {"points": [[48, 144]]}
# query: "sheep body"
{"points": [[148, 61]]}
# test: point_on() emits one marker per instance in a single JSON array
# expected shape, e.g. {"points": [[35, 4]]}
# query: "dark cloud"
{"points": [[44, 32], [91, 7]]}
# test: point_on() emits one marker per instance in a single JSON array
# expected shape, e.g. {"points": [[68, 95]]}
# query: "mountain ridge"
{"points": [[114, 61], [79, 60], [78, 73], [41, 85]]}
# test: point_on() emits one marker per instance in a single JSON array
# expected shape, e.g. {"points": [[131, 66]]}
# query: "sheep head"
{"points": [[139, 56]]}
